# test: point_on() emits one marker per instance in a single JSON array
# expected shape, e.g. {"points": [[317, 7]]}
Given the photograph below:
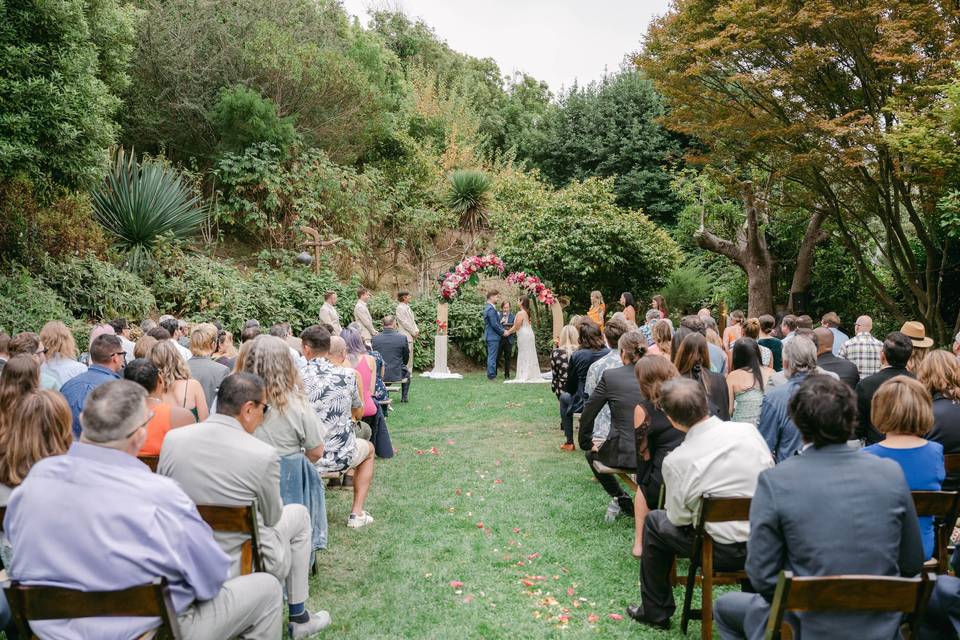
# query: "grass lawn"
{"points": [[480, 494]]}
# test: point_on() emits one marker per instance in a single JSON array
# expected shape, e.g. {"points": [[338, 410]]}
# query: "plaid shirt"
{"points": [[864, 351]]}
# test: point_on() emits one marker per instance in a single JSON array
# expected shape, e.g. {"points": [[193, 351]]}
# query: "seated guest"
{"points": [[746, 382], [650, 321], [202, 367], [126, 526], [290, 426], [143, 347], [613, 444], [220, 462], [60, 352], [827, 359], [282, 330], [941, 620], [655, 438], [692, 360], [591, 349], [779, 378], [369, 367], [159, 334], [902, 411], [775, 425], [662, 334], [29, 344], [226, 353], [20, 376], [612, 332], [165, 416], [560, 358], [395, 349], [863, 349], [249, 334], [178, 387], [751, 329], [770, 341], [718, 357], [831, 321], [829, 511], [334, 393], [716, 458], [177, 333], [893, 360], [106, 360], [940, 374], [121, 328]]}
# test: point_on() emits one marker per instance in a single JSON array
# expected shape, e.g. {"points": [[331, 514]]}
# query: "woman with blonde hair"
{"points": [[662, 334], [940, 374], [43, 428], [560, 357], [903, 410], [598, 310], [179, 389], [291, 424], [61, 352], [144, 346]]}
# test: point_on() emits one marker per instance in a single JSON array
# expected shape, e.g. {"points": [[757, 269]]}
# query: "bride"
{"points": [[528, 366]]}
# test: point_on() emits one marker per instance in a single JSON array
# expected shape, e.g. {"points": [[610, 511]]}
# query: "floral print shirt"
{"points": [[559, 365], [332, 392]]}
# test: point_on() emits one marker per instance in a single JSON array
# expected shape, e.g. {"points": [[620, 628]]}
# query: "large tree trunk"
{"points": [[813, 236]]}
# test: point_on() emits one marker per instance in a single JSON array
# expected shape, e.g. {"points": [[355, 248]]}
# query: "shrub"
{"points": [[97, 290], [243, 117], [468, 197], [26, 304], [687, 289]]}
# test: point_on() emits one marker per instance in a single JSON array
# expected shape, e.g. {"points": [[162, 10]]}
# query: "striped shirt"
{"points": [[864, 351]]}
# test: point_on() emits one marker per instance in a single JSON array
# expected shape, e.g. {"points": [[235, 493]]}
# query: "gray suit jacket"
{"points": [[831, 511], [209, 374], [217, 462]]}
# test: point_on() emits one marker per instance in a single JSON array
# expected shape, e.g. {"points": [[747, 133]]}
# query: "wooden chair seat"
{"points": [[943, 507], [627, 475], [150, 461], [232, 519], [152, 600]]}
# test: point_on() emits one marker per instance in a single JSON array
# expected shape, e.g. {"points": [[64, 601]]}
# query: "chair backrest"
{"points": [[943, 505], [237, 520], [848, 593], [150, 600], [951, 463], [150, 461], [716, 509]]}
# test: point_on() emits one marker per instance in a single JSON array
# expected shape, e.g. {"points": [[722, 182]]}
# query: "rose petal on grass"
{"points": [[527, 583], [419, 452], [479, 525], [592, 618], [615, 616], [570, 591], [533, 556], [516, 529], [564, 619], [433, 451], [498, 481], [467, 599], [456, 584]]}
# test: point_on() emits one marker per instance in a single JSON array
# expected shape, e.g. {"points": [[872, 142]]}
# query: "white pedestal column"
{"points": [[440, 369]]}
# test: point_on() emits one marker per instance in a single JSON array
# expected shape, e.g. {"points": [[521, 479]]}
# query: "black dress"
{"points": [[718, 395], [655, 440], [946, 431]]}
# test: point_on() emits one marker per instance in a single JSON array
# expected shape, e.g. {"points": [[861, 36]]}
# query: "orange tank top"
{"points": [[156, 430]]}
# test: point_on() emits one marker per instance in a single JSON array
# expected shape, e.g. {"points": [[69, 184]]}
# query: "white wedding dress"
{"points": [[528, 367]]}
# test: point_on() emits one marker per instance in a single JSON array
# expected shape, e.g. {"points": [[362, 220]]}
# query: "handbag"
{"points": [[362, 430]]}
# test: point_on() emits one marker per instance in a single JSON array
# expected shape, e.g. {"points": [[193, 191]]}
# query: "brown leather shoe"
{"points": [[568, 446]]}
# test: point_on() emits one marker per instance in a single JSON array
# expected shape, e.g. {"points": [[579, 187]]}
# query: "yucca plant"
{"points": [[139, 202], [468, 197]]}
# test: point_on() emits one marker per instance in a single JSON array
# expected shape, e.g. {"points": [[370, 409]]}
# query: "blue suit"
{"points": [[492, 333]]}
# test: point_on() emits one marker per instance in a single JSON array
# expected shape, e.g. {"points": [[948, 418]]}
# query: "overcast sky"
{"points": [[554, 40]]}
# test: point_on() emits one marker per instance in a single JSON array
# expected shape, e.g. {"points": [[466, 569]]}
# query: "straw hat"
{"points": [[915, 331]]}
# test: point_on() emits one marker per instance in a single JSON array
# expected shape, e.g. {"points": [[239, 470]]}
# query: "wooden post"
{"points": [[316, 244], [557, 312]]}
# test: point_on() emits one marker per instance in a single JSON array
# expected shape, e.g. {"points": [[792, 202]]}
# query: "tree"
{"points": [[62, 65], [805, 91], [611, 129]]}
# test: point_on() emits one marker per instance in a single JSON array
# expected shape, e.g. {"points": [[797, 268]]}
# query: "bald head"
{"points": [[864, 324], [824, 340]]}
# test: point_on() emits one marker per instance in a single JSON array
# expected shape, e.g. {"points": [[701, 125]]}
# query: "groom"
{"points": [[492, 332]]}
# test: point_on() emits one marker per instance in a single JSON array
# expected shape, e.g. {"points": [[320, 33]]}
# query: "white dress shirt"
{"points": [[722, 459]]}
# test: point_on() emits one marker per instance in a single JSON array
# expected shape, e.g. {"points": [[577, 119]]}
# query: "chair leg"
{"points": [[691, 583], [706, 591]]}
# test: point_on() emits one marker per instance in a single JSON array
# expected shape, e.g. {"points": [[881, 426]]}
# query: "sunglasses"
{"points": [[265, 406]]}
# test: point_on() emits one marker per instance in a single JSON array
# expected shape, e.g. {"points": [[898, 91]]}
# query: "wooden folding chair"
{"points": [[150, 461], [152, 600], [847, 593], [951, 463], [712, 510], [237, 520], [626, 475], [943, 506]]}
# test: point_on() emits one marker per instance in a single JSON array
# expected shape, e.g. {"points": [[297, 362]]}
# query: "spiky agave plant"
{"points": [[468, 197], [139, 202]]}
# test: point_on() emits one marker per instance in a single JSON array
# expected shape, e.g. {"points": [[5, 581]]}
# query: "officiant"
{"points": [[507, 343]]}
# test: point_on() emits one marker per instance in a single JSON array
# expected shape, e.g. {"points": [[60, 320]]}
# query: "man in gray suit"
{"points": [[394, 347], [221, 462], [830, 510]]}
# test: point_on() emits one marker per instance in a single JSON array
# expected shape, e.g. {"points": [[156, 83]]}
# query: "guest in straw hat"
{"points": [[921, 343]]}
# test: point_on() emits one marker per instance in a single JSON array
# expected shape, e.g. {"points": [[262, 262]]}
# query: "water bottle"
{"points": [[613, 510]]}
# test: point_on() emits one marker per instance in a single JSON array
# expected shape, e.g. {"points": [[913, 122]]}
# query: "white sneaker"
{"points": [[355, 521], [318, 622]]}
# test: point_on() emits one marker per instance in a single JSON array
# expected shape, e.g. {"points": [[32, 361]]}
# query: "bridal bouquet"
{"points": [[465, 272], [534, 286]]}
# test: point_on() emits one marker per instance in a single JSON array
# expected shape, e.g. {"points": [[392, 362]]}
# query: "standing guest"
{"points": [[592, 348], [406, 324], [921, 343], [333, 392], [128, 526], [896, 353], [770, 341], [165, 416], [831, 321], [121, 328], [629, 306], [560, 358], [662, 338], [940, 374], [845, 370], [143, 347], [221, 462], [598, 309], [655, 438], [509, 338], [97, 331], [362, 315], [751, 329], [28, 343], [863, 349], [159, 334], [612, 333], [746, 382], [226, 352], [775, 424], [179, 388], [902, 411], [832, 481], [203, 369], [705, 314], [660, 305], [60, 357], [4, 348], [328, 312], [176, 331], [716, 458], [788, 326], [107, 360], [395, 349], [692, 360], [734, 330], [614, 444]]}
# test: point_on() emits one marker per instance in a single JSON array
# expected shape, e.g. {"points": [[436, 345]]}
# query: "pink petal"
{"points": [[533, 556], [592, 618], [456, 584], [516, 529], [570, 591], [615, 616], [479, 525]]}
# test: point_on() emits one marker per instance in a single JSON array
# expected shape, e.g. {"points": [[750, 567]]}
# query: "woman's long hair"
{"points": [[692, 359], [168, 360], [269, 358], [662, 334], [590, 337], [746, 355], [629, 301], [596, 298], [525, 304], [569, 339], [58, 340], [940, 373], [633, 345], [652, 372], [661, 305], [43, 428], [20, 376]]}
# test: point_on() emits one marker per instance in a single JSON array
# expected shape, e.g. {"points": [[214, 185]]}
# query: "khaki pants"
{"points": [[249, 607], [286, 551]]}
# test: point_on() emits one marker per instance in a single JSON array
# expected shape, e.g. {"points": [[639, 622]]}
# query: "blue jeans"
{"points": [[493, 353]]}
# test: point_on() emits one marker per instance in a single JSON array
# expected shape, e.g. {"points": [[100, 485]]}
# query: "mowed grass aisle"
{"points": [[480, 494]]}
